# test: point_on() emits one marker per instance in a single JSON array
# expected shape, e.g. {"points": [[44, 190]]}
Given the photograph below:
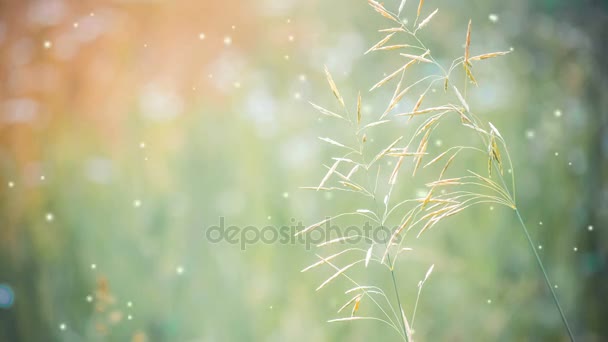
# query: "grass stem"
{"points": [[542, 268]]}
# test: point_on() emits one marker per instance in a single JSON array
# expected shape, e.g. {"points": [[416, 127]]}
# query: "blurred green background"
{"points": [[129, 127]]}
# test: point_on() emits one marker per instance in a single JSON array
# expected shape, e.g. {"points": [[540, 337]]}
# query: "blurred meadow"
{"points": [[130, 128]]}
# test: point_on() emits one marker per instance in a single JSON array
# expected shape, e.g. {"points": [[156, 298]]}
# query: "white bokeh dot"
{"points": [[530, 134]]}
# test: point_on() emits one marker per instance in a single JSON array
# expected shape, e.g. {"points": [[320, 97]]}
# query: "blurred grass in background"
{"points": [[128, 128]]}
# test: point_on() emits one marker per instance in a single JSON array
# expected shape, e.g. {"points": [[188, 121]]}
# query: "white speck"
{"points": [[237, 84], [271, 307], [433, 90], [297, 96], [93, 266], [49, 217], [233, 27], [11, 184], [285, 195], [47, 44], [540, 223], [92, 14], [146, 158], [556, 154], [269, 217], [137, 203], [129, 304], [290, 38], [555, 286], [75, 25], [145, 45], [142, 145], [129, 317], [530, 134], [557, 113], [489, 301], [210, 75], [201, 36], [491, 207], [389, 163], [227, 41], [493, 17], [569, 163], [286, 57], [540, 246], [575, 249], [42, 178], [438, 142], [302, 78], [509, 171], [589, 227], [511, 49], [89, 298], [62, 326], [179, 270]]}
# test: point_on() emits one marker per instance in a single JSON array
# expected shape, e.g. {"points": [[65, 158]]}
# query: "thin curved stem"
{"points": [[542, 268]]}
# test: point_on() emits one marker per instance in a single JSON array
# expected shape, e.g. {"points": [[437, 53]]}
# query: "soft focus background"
{"points": [[129, 127]]}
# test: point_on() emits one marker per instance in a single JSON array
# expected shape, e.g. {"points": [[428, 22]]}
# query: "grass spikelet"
{"points": [[356, 299], [337, 274], [380, 9], [488, 55], [401, 5], [326, 259], [385, 151], [467, 44], [420, 58], [427, 19], [326, 112], [331, 141], [421, 150], [333, 87], [368, 255], [356, 306], [392, 29], [419, 8], [393, 178], [391, 76], [375, 123], [313, 226], [380, 43], [393, 47], [352, 171], [328, 174], [427, 110], [418, 103], [462, 100]]}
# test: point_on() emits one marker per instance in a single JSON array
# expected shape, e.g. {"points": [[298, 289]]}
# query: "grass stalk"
{"points": [[405, 332], [546, 277]]}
